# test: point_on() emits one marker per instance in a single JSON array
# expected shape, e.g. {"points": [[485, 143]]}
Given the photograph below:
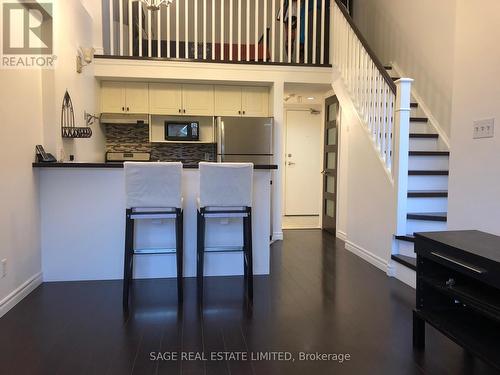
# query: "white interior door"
{"points": [[303, 163]]}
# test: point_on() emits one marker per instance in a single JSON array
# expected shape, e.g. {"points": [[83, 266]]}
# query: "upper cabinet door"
{"points": [[165, 98], [198, 100], [113, 97], [227, 100], [255, 101], [137, 95]]}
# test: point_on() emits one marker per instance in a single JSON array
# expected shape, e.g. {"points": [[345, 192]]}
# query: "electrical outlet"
{"points": [[484, 128], [4, 268]]}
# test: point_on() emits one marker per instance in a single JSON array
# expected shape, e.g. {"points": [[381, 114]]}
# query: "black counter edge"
{"points": [[120, 165]]}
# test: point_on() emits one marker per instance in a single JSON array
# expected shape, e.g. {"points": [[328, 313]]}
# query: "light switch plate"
{"points": [[484, 128]]}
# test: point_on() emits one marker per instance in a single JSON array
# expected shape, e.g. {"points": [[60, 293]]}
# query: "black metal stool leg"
{"points": [[200, 253], [250, 254], [179, 243], [128, 256]]}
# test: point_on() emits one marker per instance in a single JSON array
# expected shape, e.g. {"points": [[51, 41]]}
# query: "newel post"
{"points": [[402, 113]]}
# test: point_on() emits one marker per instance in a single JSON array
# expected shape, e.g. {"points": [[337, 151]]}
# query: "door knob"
{"points": [[323, 171]]}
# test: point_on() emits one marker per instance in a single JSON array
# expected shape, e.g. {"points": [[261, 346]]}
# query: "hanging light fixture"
{"points": [[155, 5]]}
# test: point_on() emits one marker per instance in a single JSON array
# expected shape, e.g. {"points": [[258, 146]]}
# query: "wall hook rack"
{"points": [[68, 128]]}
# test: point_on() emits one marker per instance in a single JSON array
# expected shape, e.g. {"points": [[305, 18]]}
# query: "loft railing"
{"points": [[256, 31], [383, 105]]}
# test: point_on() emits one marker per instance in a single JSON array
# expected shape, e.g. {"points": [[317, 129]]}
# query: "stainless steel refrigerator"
{"points": [[245, 139]]}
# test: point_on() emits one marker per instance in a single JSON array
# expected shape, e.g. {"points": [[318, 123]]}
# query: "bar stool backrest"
{"points": [[153, 185], [226, 184]]}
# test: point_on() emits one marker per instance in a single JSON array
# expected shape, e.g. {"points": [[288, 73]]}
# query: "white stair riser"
{"points": [[416, 112], [414, 226], [424, 144], [406, 248], [431, 163], [427, 182], [427, 205], [420, 127]]}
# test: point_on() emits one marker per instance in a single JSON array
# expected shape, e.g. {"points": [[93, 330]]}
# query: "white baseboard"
{"points": [[19, 293], [402, 273], [366, 255], [341, 235], [278, 236]]}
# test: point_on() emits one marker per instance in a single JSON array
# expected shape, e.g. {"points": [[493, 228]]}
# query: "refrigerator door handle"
{"points": [[220, 139]]}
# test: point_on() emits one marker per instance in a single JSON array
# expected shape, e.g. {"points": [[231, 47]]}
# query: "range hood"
{"points": [[124, 119]]}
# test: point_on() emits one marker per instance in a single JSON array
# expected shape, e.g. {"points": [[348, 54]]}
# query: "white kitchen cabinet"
{"points": [[247, 101], [255, 101], [124, 97], [113, 97], [227, 100], [179, 99], [165, 98], [198, 100]]}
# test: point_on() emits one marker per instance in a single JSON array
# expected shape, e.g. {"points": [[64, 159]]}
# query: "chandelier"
{"points": [[155, 5]]}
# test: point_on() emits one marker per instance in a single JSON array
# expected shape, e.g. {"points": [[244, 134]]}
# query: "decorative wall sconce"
{"points": [[85, 57]]}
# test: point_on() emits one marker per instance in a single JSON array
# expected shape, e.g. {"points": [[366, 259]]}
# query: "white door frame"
{"points": [[302, 107]]}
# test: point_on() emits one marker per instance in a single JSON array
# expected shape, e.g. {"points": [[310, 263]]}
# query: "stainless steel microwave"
{"points": [[182, 131]]}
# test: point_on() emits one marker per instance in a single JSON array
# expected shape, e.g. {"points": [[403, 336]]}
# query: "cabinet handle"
{"points": [[239, 112], [244, 112], [128, 109], [180, 110], [123, 109], [184, 111], [474, 269]]}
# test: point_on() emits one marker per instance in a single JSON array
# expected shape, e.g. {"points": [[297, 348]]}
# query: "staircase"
{"points": [[403, 132], [427, 199]]}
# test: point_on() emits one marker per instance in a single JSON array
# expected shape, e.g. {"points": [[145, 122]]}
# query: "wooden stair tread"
{"points": [[429, 153], [428, 173], [407, 238], [413, 105], [429, 216], [419, 119], [424, 135], [405, 261], [427, 194]]}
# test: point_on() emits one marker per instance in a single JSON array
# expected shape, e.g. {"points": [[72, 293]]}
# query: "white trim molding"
{"points": [[277, 236], [342, 235], [19, 293], [367, 256]]}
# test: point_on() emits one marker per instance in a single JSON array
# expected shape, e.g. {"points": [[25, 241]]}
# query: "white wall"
{"points": [[365, 206], [475, 164], [418, 36], [21, 125], [72, 29]]}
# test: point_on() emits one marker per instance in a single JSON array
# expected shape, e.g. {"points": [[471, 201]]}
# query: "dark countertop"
{"points": [[478, 243], [118, 165]]}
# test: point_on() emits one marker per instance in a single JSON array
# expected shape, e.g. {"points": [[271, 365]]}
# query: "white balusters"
{"points": [[139, 12], [239, 30], [121, 27], [130, 29], [111, 28]]}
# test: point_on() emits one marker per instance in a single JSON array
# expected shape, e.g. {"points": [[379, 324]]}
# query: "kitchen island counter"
{"points": [[118, 165], [82, 208]]}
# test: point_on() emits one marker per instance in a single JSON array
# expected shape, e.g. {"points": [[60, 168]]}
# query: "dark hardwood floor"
{"points": [[319, 297]]}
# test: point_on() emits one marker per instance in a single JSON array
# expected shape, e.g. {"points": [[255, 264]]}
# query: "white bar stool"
{"points": [[226, 192], [153, 191]]}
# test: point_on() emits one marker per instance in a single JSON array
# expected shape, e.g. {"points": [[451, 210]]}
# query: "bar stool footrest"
{"points": [[155, 251]]}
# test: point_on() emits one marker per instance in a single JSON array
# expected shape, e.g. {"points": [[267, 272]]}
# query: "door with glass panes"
{"points": [[330, 164]]}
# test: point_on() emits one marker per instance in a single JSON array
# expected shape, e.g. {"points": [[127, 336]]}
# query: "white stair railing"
{"points": [[221, 30], [383, 105]]}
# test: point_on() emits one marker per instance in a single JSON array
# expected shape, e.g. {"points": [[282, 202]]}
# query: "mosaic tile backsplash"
{"points": [[135, 138]]}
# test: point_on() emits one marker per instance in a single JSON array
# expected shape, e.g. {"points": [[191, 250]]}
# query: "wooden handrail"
{"points": [[366, 46]]}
